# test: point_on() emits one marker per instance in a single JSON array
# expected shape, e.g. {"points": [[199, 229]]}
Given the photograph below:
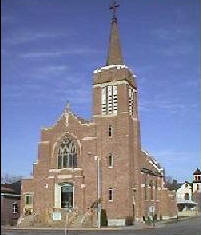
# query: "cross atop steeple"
{"points": [[113, 7], [114, 50]]}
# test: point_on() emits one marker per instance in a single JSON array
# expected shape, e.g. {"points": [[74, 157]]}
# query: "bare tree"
{"points": [[171, 183], [9, 179]]}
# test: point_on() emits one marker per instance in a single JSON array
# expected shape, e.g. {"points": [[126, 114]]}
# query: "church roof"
{"points": [[114, 51], [197, 172]]}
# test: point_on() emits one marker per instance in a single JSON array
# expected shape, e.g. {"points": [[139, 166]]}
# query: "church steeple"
{"points": [[114, 50]]}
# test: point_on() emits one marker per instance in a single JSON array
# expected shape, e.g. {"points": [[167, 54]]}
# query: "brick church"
{"points": [[85, 166]]}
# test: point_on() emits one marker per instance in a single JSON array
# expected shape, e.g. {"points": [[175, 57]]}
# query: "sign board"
{"points": [[56, 215], [151, 209]]}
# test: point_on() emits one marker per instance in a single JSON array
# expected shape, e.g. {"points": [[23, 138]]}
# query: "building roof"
{"points": [[5, 189], [13, 188], [197, 172], [189, 202]]}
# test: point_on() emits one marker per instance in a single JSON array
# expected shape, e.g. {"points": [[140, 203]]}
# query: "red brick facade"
{"points": [[133, 178]]}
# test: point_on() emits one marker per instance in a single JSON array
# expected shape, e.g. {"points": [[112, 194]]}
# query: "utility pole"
{"points": [[98, 159]]}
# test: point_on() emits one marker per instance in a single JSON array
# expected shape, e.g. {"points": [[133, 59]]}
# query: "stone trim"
{"points": [[70, 169], [118, 66], [44, 142], [110, 83], [32, 193], [107, 115], [64, 176], [89, 138]]}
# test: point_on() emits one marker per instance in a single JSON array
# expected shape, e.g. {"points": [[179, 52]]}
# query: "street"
{"points": [[185, 227]]}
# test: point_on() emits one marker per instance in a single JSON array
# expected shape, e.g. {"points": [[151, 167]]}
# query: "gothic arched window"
{"points": [[67, 154]]}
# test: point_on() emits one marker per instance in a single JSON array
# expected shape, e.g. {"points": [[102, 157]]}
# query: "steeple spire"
{"points": [[114, 50]]}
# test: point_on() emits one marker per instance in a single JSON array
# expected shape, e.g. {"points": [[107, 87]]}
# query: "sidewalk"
{"points": [[136, 226]]}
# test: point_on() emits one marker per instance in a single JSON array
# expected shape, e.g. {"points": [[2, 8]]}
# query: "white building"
{"points": [[185, 203]]}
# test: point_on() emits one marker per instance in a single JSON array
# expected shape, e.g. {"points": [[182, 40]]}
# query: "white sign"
{"points": [[56, 215], [151, 209]]}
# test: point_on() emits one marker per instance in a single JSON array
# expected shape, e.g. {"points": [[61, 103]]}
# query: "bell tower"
{"points": [[115, 112], [114, 84]]}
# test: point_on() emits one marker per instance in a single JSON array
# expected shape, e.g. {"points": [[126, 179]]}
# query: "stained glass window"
{"points": [[67, 154]]}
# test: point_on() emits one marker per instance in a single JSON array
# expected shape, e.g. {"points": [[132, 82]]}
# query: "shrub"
{"points": [[129, 220], [104, 221]]}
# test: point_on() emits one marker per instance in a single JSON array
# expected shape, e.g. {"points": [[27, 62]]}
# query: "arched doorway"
{"points": [[67, 195]]}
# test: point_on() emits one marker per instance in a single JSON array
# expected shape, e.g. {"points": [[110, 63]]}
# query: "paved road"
{"points": [[187, 227]]}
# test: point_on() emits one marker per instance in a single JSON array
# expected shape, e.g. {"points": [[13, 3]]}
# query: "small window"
{"points": [[15, 208], [145, 190], [197, 186], [110, 194], [151, 190], [199, 178], [110, 161], [28, 199], [110, 130], [186, 196]]}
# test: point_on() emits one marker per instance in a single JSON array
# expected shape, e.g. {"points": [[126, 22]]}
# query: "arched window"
{"points": [[67, 154], [186, 196], [151, 190], [67, 196]]}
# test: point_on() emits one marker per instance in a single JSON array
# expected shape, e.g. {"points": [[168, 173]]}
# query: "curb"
{"points": [[82, 229]]}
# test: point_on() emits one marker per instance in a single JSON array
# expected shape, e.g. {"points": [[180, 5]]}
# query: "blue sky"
{"points": [[51, 47]]}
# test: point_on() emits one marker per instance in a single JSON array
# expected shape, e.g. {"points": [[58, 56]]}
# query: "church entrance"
{"points": [[67, 196]]}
